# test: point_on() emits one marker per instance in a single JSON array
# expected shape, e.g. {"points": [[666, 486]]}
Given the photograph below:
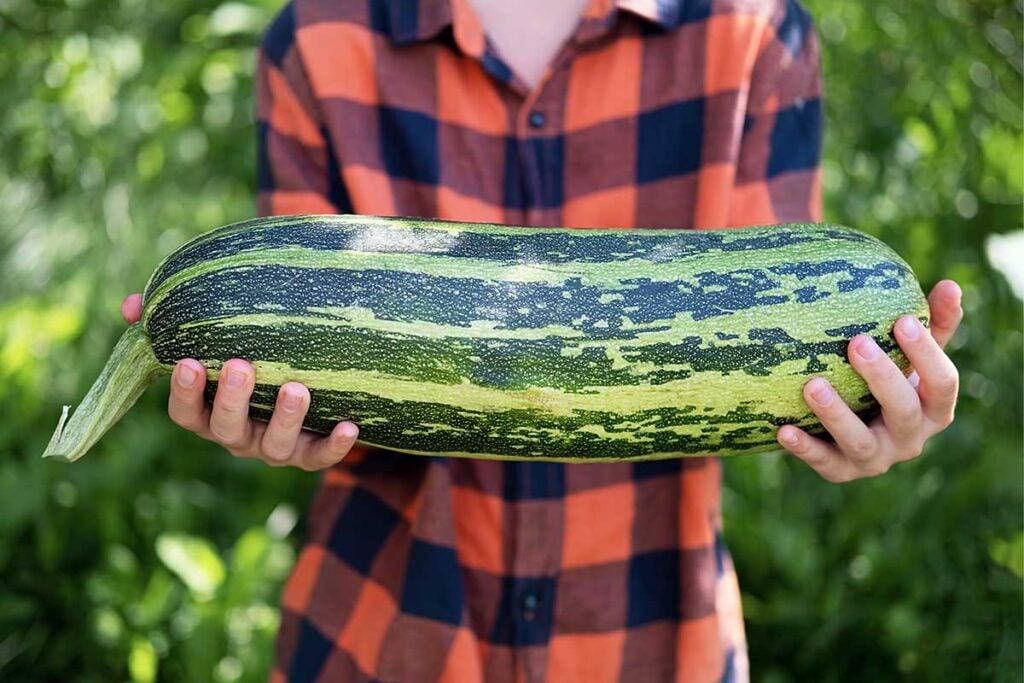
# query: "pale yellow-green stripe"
{"points": [[718, 394]]}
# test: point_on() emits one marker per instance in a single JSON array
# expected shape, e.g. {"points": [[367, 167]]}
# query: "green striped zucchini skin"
{"points": [[500, 342]]}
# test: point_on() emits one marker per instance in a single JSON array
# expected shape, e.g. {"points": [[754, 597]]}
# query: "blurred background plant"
{"points": [[127, 129]]}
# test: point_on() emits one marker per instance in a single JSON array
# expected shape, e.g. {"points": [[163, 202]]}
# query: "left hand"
{"points": [[914, 408]]}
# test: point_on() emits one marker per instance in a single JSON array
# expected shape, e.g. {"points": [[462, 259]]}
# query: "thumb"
{"points": [[946, 311], [131, 308]]}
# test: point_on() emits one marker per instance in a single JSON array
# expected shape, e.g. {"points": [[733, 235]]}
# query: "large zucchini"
{"points": [[501, 342]]}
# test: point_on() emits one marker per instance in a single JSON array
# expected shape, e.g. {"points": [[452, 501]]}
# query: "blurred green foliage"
{"points": [[128, 128], [915, 574]]}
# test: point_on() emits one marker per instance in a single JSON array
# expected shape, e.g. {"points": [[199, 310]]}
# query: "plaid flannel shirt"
{"points": [[673, 113]]}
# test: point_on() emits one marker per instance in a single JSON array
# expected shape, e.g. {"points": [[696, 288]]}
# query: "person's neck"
{"points": [[528, 33]]}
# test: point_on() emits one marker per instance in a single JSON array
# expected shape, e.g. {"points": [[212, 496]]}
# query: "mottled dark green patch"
{"points": [[488, 433], [533, 245], [806, 295], [735, 431], [851, 331]]}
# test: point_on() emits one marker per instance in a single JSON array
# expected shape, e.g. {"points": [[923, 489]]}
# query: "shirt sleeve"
{"points": [[778, 173], [297, 172], [296, 167]]}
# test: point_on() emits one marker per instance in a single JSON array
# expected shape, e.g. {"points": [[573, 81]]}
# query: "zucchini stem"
{"points": [[131, 368]]}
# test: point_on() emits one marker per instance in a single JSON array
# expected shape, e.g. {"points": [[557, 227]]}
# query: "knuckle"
{"points": [[231, 403], [185, 418], [948, 383], [905, 413], [815, 459], [836, 477], [832, 410], [876, 467], [287, 420], [815, 464], [881, 365], [272, 462], [291, 409], [883, 376], [915, 449], [276, 450], [227, 438], [336, 450], [948, 418], [863, 446], [831, 415], [331, 455], [189, 425], [893, 373], [311, 463], [335, 455], [179, 394], [178, 418]]}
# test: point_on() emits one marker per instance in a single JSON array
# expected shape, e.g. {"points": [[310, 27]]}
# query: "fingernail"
{"points": [[349, 430], [292, 401], [187, 376], [910, 327], [868, 349], [234, 378], [821, 392], [789, 437]]}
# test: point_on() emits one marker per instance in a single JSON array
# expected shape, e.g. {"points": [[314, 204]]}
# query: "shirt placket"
{"points": [[539, 137], [539, 125], [540, 150], [535, 520], [538, 140]]}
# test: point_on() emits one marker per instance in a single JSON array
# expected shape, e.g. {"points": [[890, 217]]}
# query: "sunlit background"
{"points": [[126, 128]]}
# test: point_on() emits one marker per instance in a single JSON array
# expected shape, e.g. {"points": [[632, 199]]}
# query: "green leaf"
{"points": [[1009, 553], [108, 626], [142, 662], [156, 600], [194, 560], [251, 550]]}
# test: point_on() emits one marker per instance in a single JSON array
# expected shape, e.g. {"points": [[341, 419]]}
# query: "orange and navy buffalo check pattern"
{"points": [[658, 113]]}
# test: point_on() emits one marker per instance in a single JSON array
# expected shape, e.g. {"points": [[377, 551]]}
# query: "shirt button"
{"points": [[536, 119], [530, 602]]}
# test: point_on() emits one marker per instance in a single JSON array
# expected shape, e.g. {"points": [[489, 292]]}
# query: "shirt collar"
{"points": [[412, 21]]}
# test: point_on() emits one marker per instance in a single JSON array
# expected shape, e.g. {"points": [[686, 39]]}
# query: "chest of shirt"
{"points": [[618, 133]]}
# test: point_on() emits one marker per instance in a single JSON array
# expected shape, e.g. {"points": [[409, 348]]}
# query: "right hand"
{"points": [[278, 443]]}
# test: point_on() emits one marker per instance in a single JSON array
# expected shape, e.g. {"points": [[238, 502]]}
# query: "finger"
{"points": [[282, 433], [946, 311], [823, 457], [229, 420], [329, 450], [939, 380], [187, 405], [131, 308], [853, 438], [901, 407]]}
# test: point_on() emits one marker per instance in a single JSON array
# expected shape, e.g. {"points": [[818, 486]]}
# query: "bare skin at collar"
{"points": [[528, 33]]}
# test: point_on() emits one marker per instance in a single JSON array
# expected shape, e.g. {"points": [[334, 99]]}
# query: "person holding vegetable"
{"points": [[625, 113]]}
